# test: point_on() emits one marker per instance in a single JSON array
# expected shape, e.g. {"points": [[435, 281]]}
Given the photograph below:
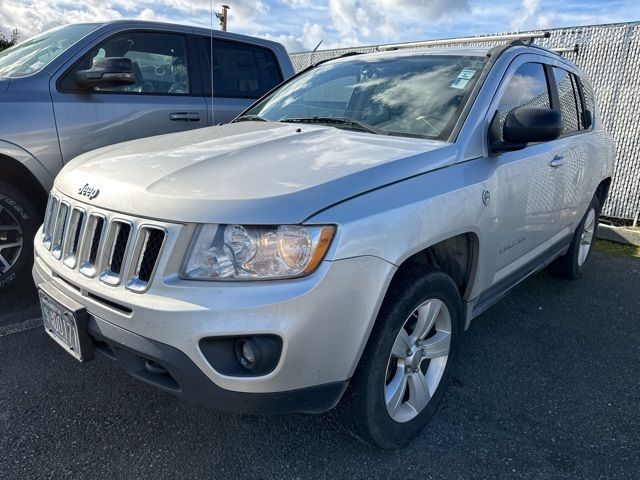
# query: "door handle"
{"points": [[184, 117], [558, 161]]}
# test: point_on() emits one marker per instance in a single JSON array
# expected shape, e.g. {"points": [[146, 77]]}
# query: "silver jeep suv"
{"points": [[80, 87], [333, 243]]}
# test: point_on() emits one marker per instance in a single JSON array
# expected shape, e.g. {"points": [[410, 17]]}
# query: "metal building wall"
{"points": [[610, 55]]}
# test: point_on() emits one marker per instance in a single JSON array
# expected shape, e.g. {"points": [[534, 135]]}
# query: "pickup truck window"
{"points": [[160, 62], [420, 96], [527, 87], [241, 70], [33, 55]]}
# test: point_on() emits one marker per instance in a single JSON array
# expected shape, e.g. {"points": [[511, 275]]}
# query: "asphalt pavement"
{"points": [[548, 386]]}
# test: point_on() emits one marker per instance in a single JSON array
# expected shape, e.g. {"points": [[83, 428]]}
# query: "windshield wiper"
{"points": [[338, 121], [250, 118]]}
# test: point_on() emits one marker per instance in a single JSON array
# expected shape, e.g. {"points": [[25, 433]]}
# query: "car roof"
{"points": [[466, 51], [199, 30]]}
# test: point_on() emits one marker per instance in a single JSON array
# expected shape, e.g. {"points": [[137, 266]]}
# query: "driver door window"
{"points": [[527, 87], [159, 61]]}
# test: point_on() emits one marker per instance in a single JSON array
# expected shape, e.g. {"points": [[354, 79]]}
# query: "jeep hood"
{"points": [[246, 172]]}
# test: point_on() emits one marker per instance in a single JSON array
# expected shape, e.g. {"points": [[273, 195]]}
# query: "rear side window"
{"points": [[528, 87], [570, 103], [241, 70], [589, 101]]}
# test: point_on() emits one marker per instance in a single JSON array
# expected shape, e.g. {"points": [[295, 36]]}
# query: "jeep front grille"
{"points": [[102, 244]]}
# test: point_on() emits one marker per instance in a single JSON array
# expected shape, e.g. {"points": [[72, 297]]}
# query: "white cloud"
{"points": [[528, 9]]}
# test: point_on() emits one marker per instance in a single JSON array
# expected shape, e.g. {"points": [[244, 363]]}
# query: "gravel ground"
{"points": [[547, 387]]}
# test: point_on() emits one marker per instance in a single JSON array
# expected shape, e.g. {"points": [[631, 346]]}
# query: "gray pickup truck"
{"points": [[80, 87]]}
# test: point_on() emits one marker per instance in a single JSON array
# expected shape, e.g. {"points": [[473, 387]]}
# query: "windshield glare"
{"points": [[36, 53], [419, 95]]}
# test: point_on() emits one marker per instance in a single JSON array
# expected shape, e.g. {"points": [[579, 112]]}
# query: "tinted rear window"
{"points": [[242, 70]]}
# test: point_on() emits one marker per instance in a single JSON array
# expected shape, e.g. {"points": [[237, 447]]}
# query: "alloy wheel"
{"points": [[11, 240], [418, 360], [586, 239]]}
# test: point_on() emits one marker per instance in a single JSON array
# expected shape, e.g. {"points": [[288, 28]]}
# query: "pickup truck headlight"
{"points": [[239, 252]]}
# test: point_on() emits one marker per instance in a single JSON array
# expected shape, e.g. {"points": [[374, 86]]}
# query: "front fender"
{"points": [[29, 161]]}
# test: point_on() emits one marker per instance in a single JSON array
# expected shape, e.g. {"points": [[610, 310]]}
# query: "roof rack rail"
{"points": [[461, 41], [560, 51]]}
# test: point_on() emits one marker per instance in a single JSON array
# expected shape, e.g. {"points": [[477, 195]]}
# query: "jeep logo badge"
{"points": [[88, 191]]}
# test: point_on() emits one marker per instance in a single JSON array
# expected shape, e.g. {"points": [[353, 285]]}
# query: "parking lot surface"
{"points": [[548, 386]]}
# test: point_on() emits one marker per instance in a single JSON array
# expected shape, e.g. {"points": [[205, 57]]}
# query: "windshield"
{"points": [[36, 53], [420, 95]]}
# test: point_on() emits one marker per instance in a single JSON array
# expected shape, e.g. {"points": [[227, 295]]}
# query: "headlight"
{"points": [[237, 252]]}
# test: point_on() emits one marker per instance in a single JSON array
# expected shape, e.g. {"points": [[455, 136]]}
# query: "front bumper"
{"points": [[169, 369], [323, 320]]}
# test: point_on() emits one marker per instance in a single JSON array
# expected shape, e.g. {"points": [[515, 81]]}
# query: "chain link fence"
{"points": [[610, 55]]}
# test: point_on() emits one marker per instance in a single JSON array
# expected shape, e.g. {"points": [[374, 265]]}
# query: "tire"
{"points": [[369, 409], [572, 264], [19, 221]]}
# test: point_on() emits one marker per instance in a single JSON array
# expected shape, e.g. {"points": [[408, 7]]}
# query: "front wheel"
{"points": [[407, 363], [19, 220]]}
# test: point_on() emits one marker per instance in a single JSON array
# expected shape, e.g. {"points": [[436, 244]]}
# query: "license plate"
{"points": [[65, 320]]}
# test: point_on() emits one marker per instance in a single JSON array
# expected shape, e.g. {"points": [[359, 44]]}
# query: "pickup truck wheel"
{"points": [[407, 363], [19, 220], [572, 264]]}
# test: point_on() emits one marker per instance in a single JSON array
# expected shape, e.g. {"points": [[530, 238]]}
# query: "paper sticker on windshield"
{"points": [[460, 83], [467, 74]]}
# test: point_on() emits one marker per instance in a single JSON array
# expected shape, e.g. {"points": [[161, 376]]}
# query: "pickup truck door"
{"points": [[167, 96], [241, 73]]}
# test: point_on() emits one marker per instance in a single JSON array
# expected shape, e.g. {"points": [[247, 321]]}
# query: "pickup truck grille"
{"points": [[103, 245]]}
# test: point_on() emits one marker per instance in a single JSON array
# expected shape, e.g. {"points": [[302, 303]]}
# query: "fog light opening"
{"points": [[257, 354]]}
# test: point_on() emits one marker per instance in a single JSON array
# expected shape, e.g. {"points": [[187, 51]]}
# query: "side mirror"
{"points": [[587, 118], [525, 125], [107, 72]]}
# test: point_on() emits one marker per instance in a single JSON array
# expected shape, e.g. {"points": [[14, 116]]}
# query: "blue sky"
{"points": [[301, 24]]}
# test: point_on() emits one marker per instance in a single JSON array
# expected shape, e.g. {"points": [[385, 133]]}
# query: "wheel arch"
{"points": [[19, 176], [456, 255], [602, 192]]}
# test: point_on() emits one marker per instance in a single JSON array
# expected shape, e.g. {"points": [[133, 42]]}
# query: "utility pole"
{"points": [[222, 16]]}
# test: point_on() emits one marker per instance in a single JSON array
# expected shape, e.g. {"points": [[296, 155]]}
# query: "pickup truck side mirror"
{"points": [[107, 72], [525, 125]]}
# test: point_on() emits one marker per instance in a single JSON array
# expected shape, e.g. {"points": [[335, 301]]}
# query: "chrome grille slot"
{"points": [[116, 248], [59, 230], [93, 237], [49, 221], [72, 239], [146, 254]]}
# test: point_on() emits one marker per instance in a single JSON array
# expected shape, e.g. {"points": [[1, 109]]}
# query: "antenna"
{"points": [[313, 52], [211, 61]]}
